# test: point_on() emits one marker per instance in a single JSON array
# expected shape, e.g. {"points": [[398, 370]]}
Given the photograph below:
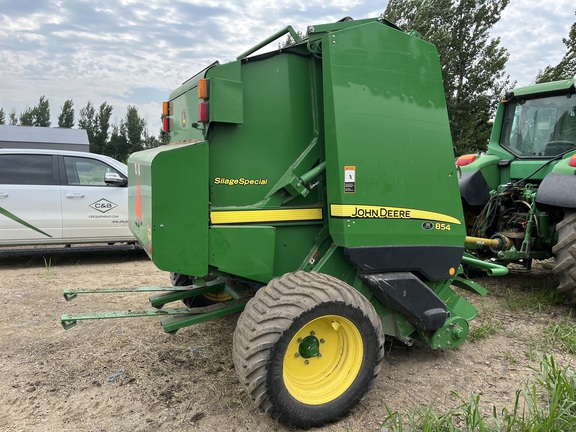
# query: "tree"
{"points": [[42, 113], [473, 64], [13, 118], [117, 146], [2, 117], [97, 125], [566, 69], [66, 117], [37, 116], [134, 128], [102, 128], [27, 117], [87, 121]]}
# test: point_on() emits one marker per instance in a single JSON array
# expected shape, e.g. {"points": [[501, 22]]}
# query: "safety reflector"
{"points": [[572, 161], [466, 159], [203, 112], [166, 124], [203, 89], [165, 109]]}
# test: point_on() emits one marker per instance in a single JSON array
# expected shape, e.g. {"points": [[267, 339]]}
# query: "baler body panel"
{"points": [[168, 205], [283, 132], [391, 180], [277, 127]]}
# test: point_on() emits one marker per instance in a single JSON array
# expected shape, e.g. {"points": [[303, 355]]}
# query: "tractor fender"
{"points": [[474, 188], [557, 190]]}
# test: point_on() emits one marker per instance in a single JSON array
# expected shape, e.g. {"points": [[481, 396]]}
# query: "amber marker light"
{"points": [[165, 115], [203, 89]]}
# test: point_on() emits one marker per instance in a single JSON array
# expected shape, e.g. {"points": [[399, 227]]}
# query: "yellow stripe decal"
{"points": [[254, 216], [380, 212]]}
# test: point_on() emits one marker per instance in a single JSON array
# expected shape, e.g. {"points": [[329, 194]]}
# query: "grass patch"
{"points": [[487, 328], [561, 335], [547, 405], [531, 299]]}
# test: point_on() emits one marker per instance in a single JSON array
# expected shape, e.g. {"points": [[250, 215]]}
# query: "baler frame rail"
{"points": [[175, 318]]}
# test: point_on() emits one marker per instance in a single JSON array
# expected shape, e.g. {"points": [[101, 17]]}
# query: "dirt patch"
{"points": [[128, 375]]}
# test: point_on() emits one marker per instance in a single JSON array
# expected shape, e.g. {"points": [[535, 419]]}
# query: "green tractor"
{"points": [[519, 197], [313, 189]]}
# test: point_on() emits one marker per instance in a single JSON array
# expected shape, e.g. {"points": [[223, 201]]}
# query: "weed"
{"points": [[486, 328], [561, 335], [547, 405], [48, 267]]}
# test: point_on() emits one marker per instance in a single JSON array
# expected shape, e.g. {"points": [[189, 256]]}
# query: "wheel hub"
{"points": [[309, 347]]}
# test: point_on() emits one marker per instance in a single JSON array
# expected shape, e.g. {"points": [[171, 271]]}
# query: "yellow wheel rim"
{"points": [[323, 360], [218, 296]]}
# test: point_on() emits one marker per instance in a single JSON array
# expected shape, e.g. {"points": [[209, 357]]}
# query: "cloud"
{"points": [[135, 52]]}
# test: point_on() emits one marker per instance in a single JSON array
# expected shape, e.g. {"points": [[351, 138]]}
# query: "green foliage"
{"points": [[532, 298], [13, 118], [97, 125], [87, 121], [2, 117], [547, 405], [66, 117], [473, 64], [37, 116], [566, 69], [561, 335], [27, 117], [134, 127], [42, 113], [487, 328]]}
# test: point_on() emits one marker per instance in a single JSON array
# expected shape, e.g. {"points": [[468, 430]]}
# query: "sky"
{"points": [[135, 52]]}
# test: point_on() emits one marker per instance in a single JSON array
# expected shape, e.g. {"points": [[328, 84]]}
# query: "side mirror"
{"points": [[115, 179]]}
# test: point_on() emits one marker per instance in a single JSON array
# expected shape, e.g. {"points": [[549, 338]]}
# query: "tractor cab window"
{"points": [[543, 127]]}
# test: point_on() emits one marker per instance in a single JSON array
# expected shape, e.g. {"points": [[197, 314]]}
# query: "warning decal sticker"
{"points": [[349, 179]]}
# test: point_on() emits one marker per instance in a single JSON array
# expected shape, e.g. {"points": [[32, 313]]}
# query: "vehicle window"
{"points": [[543, 127], [26, 169], [86, 172]]}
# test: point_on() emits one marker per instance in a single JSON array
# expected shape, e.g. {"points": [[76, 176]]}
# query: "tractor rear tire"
{"points": [[565, 252], [307, 348]]}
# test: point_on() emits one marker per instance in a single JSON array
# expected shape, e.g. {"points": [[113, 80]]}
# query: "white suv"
{"points": [[50, 197]]}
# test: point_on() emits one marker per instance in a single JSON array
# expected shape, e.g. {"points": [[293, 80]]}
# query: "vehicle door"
{"points": [[92, 209], [30, 208]]}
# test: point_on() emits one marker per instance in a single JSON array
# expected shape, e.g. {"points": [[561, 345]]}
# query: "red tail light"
{"points": [[466, 159], [203, 112], [572, 161], [165, 115]]}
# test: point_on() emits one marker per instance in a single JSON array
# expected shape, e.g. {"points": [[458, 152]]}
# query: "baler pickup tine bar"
{"points": [[177, 317], [71, 294], [174, 323], [159, 300], [70, 320]]}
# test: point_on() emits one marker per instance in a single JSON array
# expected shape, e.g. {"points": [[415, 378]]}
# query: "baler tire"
{"points": [[178, 279], [275, 339], [565, 253]]}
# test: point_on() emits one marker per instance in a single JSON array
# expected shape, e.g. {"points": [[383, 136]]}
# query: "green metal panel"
{"points": [[488, 164], [243, 251], [168, 205], [226, 101], [387, 130], [277, 127], [548, 87]]}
